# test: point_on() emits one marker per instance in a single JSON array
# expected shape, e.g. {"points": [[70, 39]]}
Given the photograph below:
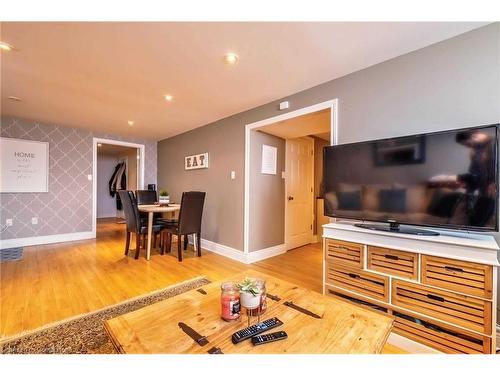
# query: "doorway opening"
{"points": [[117, 165], [283, 175]]}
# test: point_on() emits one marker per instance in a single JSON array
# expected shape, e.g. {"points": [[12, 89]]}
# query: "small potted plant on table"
{"points": [[164, 198], [250, 293]]}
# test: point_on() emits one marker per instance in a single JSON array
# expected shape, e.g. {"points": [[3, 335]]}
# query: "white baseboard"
{"points": [[269, 252], [223, 250], [240, 256], [43, 240], [107, 216], [410, 346]]}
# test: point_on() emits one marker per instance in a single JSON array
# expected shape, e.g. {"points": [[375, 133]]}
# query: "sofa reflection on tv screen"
{"points": [[417, 204]]}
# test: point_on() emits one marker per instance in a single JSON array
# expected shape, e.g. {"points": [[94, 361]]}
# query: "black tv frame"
{"points": [[441, 226]]}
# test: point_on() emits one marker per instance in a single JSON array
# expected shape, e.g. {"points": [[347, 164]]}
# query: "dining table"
{"points": [[151, 209]]}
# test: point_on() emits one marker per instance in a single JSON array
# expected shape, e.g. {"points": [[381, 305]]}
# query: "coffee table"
{"points": [[342, 328]]}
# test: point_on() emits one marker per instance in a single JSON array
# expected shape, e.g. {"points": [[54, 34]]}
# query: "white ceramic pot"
{"points": [[164, 199], [249, 301]]}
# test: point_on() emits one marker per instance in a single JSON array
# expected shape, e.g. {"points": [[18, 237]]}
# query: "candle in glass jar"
{"points": [[230, 302]]}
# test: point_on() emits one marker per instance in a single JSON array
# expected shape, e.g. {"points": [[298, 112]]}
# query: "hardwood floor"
{"points": [[59, 281]]}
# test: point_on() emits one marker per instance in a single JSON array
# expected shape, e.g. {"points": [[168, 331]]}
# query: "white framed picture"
{"points": [[197, 161], [24, 166], [269, 159]]}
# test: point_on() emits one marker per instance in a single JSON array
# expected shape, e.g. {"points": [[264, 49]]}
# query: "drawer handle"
{"points": [[456, 269], [353, 275], [342, 247], [435, 298], [393, 257]]}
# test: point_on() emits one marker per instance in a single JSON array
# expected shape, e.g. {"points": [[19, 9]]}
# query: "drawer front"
{"points": [[369, 284], [465, 311], [444, 338], [348, 253], [465, 277], [393, 262], [355, 299]]}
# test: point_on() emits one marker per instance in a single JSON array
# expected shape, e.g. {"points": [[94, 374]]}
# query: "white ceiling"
{"points": [[100, 75], [316, 123]]}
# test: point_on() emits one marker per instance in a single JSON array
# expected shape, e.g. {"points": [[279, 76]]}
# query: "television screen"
{"points": [[447, 179]]}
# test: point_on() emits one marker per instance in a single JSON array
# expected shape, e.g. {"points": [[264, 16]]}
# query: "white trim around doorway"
{"points": [[140, 185], [330, 104]]}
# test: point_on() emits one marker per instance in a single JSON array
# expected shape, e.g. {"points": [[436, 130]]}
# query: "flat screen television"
{"points": [[446, 179]]}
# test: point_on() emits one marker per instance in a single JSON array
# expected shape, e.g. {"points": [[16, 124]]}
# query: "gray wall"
{"points": [[67, 207], [451, 84], [223, 211], [106, 204], [319, 144], [267, 200]]}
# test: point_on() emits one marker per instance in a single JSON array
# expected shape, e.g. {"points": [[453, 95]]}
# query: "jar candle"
{"points": [[230, 301]]}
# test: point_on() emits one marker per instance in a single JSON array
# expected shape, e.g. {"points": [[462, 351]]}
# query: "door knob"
{"points": [[290, 198]]}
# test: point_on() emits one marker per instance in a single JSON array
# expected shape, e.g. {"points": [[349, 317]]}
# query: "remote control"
{"points": [[246, 333], [270, 337]]}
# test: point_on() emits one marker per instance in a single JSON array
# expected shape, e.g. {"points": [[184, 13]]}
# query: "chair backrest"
{"points": [[191, 212], [146, 196], [130, 209]]}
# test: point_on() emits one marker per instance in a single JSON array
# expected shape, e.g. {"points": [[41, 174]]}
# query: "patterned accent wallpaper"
{"points": [[67, 207]]}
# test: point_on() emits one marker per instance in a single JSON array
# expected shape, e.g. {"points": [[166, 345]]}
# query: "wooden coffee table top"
{"points": [[343, 327]]}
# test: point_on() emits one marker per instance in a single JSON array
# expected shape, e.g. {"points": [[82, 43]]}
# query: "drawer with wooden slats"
{"points": [[355, 299], [465, 277], [465, 311], [369, 284], [393, 262], [348, 253], [443, 337]]}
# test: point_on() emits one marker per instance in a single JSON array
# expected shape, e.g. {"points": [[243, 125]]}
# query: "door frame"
{"points": [[311, 195], [140, 172], [329, 104]]}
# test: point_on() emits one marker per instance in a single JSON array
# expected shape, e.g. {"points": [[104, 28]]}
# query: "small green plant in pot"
{"points": [[164, 198], [250, 291]]}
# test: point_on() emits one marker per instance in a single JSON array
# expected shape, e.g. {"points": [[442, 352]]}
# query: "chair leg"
{"points": [[127, 242], [137, 245], [169, 242], [179, 248], [162, 243], [185, 242], [198, 243], [154, 240]]}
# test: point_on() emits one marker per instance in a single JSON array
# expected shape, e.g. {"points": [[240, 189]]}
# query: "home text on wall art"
{"points": [[24, 166]]}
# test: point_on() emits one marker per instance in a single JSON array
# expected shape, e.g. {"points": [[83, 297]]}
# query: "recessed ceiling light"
{"points": [[99, 144], [130, 123], [231, 58], [14, 98], [5, 46], [168, 98]]}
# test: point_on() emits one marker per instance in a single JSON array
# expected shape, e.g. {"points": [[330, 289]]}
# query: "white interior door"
{"points": [[299, 211]]}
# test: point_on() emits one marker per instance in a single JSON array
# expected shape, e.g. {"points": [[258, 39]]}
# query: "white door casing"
{"points": [[299, 192], [140, 169], [329, 104]]}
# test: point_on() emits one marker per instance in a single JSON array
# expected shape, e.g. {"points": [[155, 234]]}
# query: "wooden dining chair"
{"points": [[134, 223], [190, 217]]}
